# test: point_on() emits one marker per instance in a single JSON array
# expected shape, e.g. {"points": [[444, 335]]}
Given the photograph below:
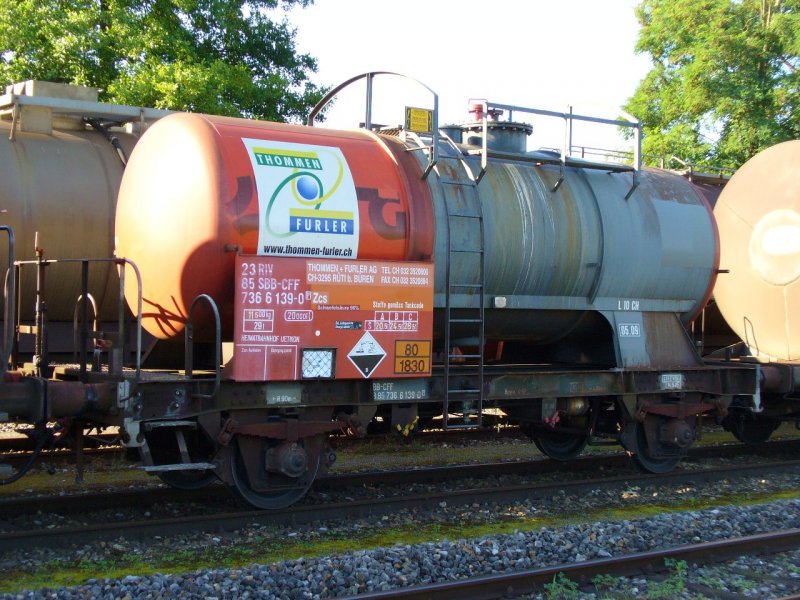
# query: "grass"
{"points": [[98, 473]]}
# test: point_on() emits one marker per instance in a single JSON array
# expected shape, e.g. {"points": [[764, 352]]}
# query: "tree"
{"points": [[724, 83], [215, 56]]}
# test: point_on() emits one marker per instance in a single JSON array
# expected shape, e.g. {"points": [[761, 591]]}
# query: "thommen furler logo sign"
{"points": [[307, 200]]}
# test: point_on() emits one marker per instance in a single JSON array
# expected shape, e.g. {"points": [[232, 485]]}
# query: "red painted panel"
{"points": [[375, 317]]}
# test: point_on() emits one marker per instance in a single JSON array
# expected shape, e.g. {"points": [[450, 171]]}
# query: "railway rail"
{"points": [[507, 585], [151, 495], [19, 447], [226, 520]]}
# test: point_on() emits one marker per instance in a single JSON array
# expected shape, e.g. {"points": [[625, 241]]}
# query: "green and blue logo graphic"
{"points": [[306, 198]]}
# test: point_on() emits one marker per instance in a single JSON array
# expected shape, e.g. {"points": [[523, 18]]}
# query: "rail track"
{"points": [[220, 514], [516, 583], [159, 494], [16, 450]]}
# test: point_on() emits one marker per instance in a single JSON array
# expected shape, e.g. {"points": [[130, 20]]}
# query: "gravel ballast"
{"points": [[403, 565]]}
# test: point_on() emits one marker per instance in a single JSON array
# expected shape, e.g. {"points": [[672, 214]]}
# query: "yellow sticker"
{"points": [[419, 120]]}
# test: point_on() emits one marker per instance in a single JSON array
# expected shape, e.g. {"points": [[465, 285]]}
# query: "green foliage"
{"points": [[674, 585], [605, 582], [725, 81], [215, 56], [562, 588]]}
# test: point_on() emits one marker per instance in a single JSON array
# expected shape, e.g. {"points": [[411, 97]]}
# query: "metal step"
{"points": [[179, 467], [157, 424], [458, 418]]}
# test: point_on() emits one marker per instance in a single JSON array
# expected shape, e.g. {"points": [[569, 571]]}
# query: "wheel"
{"points": [[644, 459], [188, 480], [565, 442], [560, 446], [272, 489], [748, 428]]}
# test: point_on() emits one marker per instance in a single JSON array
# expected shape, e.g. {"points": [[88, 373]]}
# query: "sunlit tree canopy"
{"points": [[215, 56], [724, 82]]}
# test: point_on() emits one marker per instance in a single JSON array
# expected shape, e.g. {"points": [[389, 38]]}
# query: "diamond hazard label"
{"points": [[366, 354]]}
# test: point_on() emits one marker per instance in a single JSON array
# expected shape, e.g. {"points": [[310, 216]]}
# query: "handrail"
{"points": [[369, 76], [9, 290], [124, 262], [189, 344], [120, 262], [75, 334]]}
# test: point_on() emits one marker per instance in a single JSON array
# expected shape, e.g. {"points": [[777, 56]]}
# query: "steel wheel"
{"points": [[748, 428], [266, 489], [560, 446], [644, 458]]}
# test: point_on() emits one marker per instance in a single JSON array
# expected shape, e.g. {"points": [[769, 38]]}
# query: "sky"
{"points": [[531, 53]]}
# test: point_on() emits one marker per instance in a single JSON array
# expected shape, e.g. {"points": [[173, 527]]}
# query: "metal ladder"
{"points": [[463, 394]]}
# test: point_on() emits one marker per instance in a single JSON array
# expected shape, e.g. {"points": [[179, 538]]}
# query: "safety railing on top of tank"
{"points": [[189, 344], [707, 173], [694, 171], [39, 328], [605, 154], [630, 122], [433, 132], [17, 100]]}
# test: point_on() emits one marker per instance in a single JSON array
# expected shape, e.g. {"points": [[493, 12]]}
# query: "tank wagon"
{"points": [[61, 161], [417, 272], [758, 214]]}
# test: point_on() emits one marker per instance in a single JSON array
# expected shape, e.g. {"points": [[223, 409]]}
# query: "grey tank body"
{"points": [[552, 257]]}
